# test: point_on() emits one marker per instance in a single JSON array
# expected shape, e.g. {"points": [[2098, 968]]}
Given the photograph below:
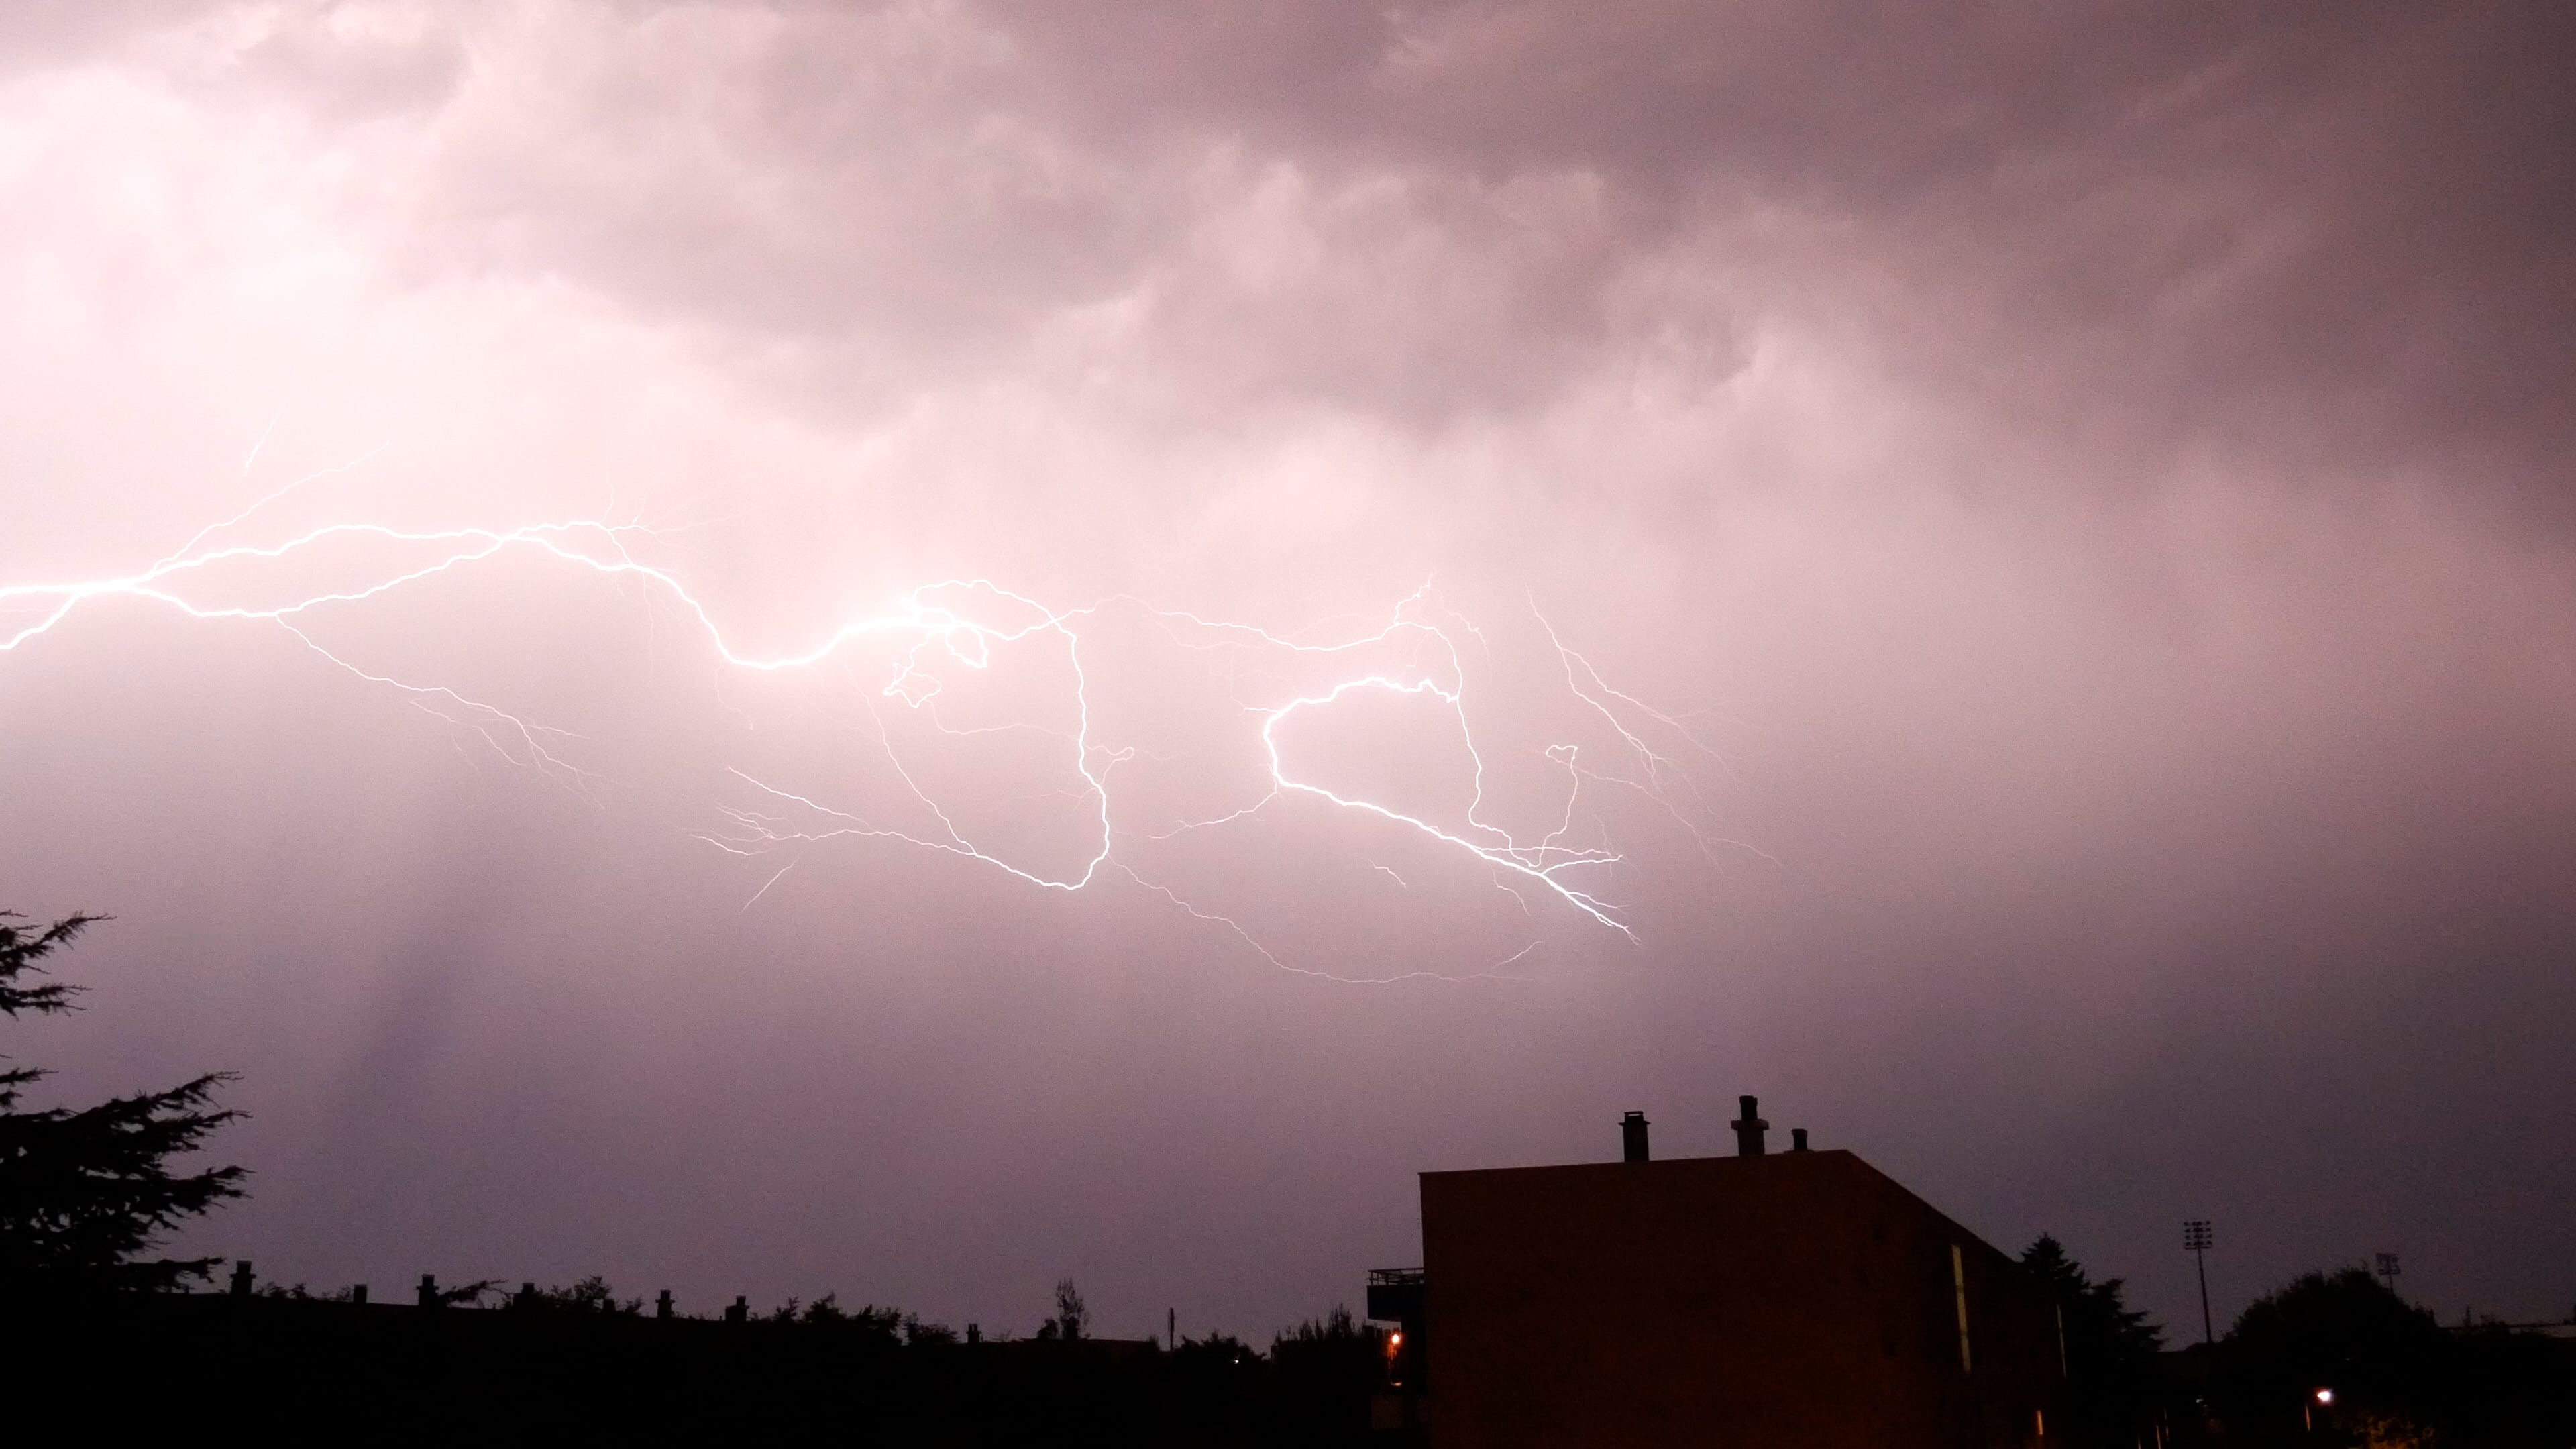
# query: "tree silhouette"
{"points": [[86, 1192], [2383, 1358], [1325, 1372], [1071, 1316], [2111, 1348], [591, 1296]]}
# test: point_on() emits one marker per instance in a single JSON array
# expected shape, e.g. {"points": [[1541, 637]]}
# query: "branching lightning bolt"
{"points": [[930, 630]]}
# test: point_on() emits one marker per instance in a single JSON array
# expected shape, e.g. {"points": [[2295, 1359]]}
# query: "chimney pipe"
{"points": [[1632, 1137], [1797, 1139], [1748, 1130]]}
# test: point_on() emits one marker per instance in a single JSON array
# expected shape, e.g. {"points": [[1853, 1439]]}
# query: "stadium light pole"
{"points": [[2196, 1240]]}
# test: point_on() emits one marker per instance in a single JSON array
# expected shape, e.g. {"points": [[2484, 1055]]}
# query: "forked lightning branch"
{"points": [[954, 624]]}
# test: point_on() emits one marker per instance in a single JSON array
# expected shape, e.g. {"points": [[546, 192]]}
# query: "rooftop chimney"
{"points": [[1632, 1137], [1797, 1139], [1748, 1130]]}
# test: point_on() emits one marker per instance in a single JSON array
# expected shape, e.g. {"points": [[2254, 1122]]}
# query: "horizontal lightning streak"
{"points": [[929, 631]]}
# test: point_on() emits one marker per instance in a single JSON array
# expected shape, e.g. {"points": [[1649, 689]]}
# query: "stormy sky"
{"points": [[2003, 579]]}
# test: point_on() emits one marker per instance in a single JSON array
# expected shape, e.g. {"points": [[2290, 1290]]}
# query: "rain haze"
{"points": [[911, 650]]}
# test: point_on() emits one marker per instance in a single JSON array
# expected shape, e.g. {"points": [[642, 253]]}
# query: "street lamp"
{"points": [[2196, 1241]]}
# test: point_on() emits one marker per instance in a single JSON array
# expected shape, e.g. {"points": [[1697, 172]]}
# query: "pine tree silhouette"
{"points": [[2110, 1347], [86, 1192]]}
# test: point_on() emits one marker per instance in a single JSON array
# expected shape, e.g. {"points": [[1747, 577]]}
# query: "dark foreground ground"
{"points": [[193, 1364], [145, 1367]]}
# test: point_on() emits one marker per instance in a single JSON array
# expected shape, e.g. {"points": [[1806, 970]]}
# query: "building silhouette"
{"points": [[1766, 1298]]}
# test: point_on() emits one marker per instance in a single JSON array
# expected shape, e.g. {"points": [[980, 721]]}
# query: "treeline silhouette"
{"points": [[88, 1194], [94, 1320], [579, 1360], [2338, 1358], [2329, 1359]]}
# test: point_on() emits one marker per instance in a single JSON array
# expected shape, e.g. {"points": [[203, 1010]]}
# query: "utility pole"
{"points": [[2196, 1241], [1171, 1329], [2388, 1270]]}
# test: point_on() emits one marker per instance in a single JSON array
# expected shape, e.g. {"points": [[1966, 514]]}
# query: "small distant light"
{"points": [[2325, 1396]]}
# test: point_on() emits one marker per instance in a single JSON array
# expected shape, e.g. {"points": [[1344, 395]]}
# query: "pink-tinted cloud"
{"points": [[2086, 488]]}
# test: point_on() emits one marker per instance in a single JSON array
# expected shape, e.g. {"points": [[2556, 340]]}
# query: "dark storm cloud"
{"points": [[2074, 465], [2341, 231], [2336, 235]]}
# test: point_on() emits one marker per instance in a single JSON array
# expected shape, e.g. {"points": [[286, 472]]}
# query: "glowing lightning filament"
{"points": [[929, 632]]}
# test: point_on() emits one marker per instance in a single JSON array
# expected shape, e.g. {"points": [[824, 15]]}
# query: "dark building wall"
{"points": [[1800, 1298]]}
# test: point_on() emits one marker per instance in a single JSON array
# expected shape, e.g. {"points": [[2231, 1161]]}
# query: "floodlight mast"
{"points": [[2196, 1240]]}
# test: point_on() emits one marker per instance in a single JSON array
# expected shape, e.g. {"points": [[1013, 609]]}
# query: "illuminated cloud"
{"points": [[2085, 493]]}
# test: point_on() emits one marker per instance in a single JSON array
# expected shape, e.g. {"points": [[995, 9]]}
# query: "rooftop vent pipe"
{"points": [[1748, 1130], [1632, 1137]]}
